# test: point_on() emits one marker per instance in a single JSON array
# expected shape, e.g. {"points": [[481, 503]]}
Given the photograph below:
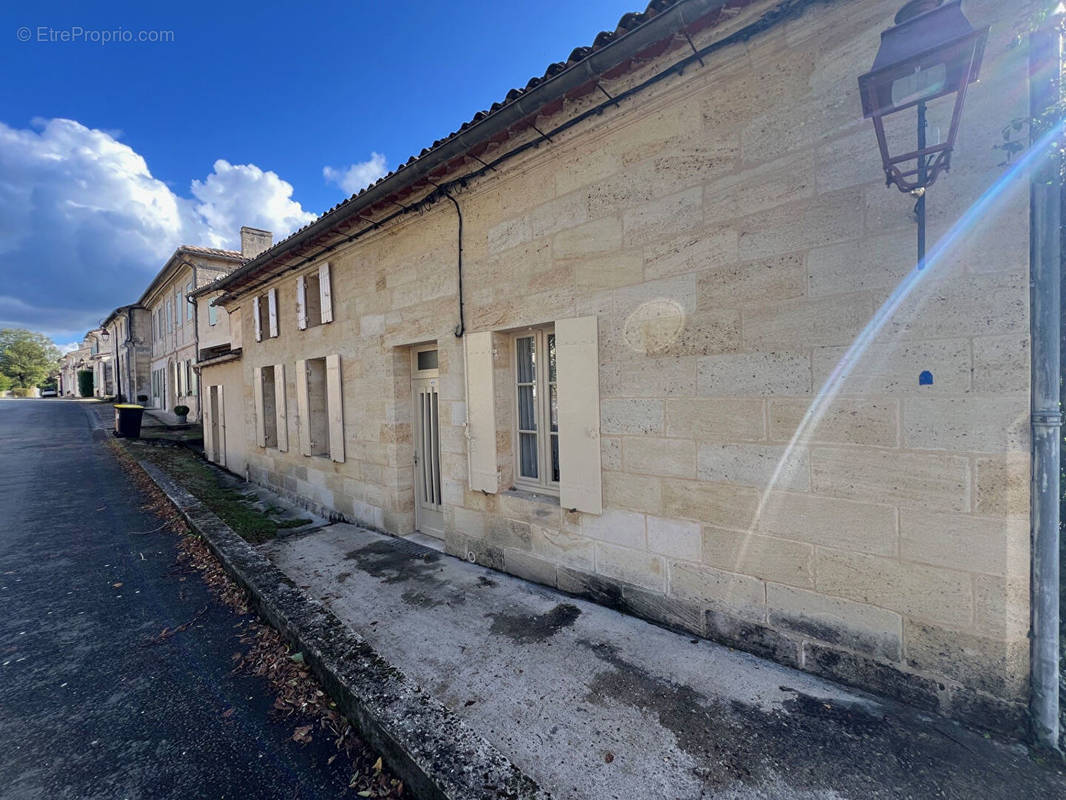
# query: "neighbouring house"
{"points": [[172, 380], [69, 366], [99, 361], [650, 331], [129, 331], [224, 395]]}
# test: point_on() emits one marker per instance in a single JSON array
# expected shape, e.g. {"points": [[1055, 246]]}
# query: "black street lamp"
{"points": [[931, 52]]}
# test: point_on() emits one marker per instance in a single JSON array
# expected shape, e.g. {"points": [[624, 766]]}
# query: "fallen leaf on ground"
{"points": [[302, 734]]}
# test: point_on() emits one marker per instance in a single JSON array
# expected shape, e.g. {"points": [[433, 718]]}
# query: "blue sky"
{"points": [[285, 95]]}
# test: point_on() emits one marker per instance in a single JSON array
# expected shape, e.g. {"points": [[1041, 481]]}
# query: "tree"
{"points": [[27, 358]]}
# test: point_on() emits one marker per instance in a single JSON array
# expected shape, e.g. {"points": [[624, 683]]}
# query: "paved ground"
{"points": [[593, 704], [86, 710]]}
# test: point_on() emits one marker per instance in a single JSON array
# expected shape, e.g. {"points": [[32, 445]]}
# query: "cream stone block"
{"points": [[843, 421], [663, 217], [611, 453], [723, 504], [597, 236], [675, 539], [969, 424], [740, 595], [671, 458], [759, 465], [588, 167], [920, 480], [991, 665], [816, 222], [649, 376], [625, 528], [1001, 364], [631, 415], [856, 626], [755, 374], [631, 566], [872, 262], [634, 492], [614, 194], [817, 322], [894, 367], [970, 305], [559, 214], [992, 545], [1002, 484], [830, 522], [707, 248], [609, 271], [372, 325], [753, 282], [764, 557], [509, 233], [715, 419], [563, 547], [917, 591], [1002, 606], [759, 188]]}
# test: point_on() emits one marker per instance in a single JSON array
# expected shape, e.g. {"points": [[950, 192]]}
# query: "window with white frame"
{"points": [[314, 299], [536, 411], [265, 315]]}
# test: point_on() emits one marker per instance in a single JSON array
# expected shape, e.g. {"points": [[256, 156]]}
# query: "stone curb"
{"points": [[433, 751]]}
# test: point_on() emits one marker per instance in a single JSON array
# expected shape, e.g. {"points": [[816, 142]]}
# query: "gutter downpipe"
{"points": [[1045, 263]]}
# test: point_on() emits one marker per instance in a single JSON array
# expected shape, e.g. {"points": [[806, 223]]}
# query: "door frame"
{"points": [[429, 518]]}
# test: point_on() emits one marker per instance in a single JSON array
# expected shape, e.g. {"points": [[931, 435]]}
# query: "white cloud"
{"points": [[357, 176], [84, 225]]}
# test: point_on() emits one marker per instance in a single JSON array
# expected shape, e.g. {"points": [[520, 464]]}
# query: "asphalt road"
{"points": [[86, 709]]}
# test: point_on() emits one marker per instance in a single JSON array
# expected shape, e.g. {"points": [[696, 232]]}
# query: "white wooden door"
{"points": [[429, 513]]}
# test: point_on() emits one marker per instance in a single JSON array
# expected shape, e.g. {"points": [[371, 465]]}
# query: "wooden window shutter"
{"points": [[280, 409], [221, 428], [272, 306], [577, 349], [209, 438], [335, 407], [303, 403], [257, 390], [301, 302], [257, 316], [481, 413], [325, 292]]}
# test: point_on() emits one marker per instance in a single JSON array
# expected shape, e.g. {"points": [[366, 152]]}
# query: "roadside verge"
{"points": [[435, 753]]}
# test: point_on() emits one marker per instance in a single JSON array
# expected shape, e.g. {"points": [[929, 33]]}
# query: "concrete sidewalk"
{"points": [[591, 703]]}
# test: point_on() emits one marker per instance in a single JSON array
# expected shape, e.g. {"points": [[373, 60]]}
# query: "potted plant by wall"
{"points": [[182, 413]]}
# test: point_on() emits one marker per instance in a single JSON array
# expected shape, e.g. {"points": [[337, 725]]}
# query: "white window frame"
{"points": [[543, 483]]}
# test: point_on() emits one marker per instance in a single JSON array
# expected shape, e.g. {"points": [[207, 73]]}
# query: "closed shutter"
{"points": [[258, 319], [481, 413], [279, 406], [209, 437], [577, 349], [221, 427], [257, 390], [301, 302], [335, 407], [272, 307], [325, 293], [303, 420]]}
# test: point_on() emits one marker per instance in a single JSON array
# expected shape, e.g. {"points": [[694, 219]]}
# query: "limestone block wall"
{"points": [[777, 471]]}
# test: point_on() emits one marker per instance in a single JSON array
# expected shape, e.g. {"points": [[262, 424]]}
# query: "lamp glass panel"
{"points": [[920, 84]]}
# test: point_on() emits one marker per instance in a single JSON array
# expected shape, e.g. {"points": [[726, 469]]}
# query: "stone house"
{"points": [[69, 366], [129, 339], [650, 331], [99, 361]]}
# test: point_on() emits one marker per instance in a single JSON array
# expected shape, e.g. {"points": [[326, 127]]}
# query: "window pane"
{"points": [[527, 359], [527, 445], [427, 359], [555, 458], [553, 399], [527, 408], [551, 358]]}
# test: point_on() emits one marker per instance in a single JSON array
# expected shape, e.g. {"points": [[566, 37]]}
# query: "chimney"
{"points": [[254, 241]]}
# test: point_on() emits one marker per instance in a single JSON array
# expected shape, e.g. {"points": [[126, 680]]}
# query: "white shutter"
{"points": [[335, 407], [577, 348], [209, 439], [279, 407], [303, 420], [258, 319], [257, 390], [325, 293], [221, 428], [272, 307], [301, 302], [481, 413]]}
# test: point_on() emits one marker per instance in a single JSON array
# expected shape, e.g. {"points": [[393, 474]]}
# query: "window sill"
{"points": [[532, 496]]}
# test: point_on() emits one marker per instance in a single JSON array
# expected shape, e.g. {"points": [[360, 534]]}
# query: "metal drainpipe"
{"points": [[1045, 263]]}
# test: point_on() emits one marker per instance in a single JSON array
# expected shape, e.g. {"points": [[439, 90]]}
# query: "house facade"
{"points": [[69, 366], [99, 361], [129, 331]]}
